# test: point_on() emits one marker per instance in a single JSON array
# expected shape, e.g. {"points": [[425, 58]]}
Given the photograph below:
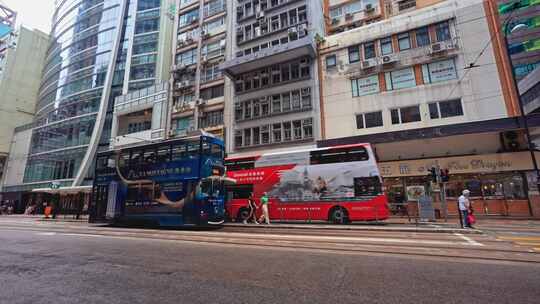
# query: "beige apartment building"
{"points": [[428, 84], [19, 83]]}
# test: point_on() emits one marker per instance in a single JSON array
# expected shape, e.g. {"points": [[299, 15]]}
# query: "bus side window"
{"points": [[136, 157], [192, 149], [164, 153], [123, 160], [179, 151], [367, 186], [150, 156]]}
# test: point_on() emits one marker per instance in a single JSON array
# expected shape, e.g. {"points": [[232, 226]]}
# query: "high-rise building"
{"points": [[197, 83], [100, 49], [274, 101], [21, 67], [524, 45]]}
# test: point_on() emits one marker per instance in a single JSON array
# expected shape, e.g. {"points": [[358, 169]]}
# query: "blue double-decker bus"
{"points": [[171, 183]]}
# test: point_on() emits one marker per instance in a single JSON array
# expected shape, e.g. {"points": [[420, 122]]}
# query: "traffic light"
{"points": [[445, 175]]}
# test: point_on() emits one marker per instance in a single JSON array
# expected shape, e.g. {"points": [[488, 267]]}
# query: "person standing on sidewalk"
{"points": [[264, 206], [464, 206]]}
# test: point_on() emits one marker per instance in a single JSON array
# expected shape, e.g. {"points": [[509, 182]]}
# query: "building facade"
{"points": [[198, 86], [524, 45], [19, 83], [274, 93], [99, 50]]}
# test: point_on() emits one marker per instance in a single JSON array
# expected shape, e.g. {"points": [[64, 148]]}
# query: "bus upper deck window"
{"points": [[149, 156], [164, 153], [193, 149], [217, 151], [179, 151], [136, 158]]}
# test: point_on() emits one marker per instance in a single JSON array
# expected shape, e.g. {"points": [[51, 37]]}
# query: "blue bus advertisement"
{"points": [[171, 183]]}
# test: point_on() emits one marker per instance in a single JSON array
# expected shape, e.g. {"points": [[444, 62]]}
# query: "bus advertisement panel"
{"points": [[175, 182], [338, 184]]}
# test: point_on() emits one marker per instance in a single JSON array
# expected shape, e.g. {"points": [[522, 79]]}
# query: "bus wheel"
{"points": [[243, 214], [338, 215]]}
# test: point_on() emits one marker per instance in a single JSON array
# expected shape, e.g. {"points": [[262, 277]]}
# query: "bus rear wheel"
{"points": [[243, 214], [338, 215]]}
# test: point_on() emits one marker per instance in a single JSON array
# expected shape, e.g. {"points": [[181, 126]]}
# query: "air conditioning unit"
{"points": [[204, 59], [335, 21], [222, 43], [260, 14], [172, 132], [189, 39], [181, 42], [389, 59], [204, 34], [263, 99], [239, 9], [369, 8], [306, 91], [200, 102], [239, 29], [348, 16], [369, 63], [436, 48]]}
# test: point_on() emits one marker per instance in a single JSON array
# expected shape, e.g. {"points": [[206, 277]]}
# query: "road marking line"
{"points": [[520, 238], [528, 244], [46, 233], [468, 239]]}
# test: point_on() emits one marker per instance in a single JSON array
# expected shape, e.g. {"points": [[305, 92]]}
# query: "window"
{"points": [[422, 37], [330, 61], [442, 31], [354, 54], [386, 45], [400, 79], [365, 86], [405, 115], [367, 186], [188, 18], [444, 109], [187, 57], [369, 120], [406, 4], [336, 12], [439, 71], [353, 7], [276, 132], [338, 155], [307, 125], [287, 135], [238, 138], [212, 92], [404, 41], [211, 119], [297, 128], [369, 50]]}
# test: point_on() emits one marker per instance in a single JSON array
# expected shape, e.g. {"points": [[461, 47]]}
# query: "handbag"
{"points": [[471, 219]]}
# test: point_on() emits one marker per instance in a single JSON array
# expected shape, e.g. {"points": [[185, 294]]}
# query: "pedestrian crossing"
{"points": [[533, 242]]}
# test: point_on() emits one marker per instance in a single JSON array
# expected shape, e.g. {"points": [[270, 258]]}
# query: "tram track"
{"points": [[374, 244]]}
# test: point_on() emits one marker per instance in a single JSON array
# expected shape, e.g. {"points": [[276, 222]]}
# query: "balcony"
{"points": [[295, 49]]}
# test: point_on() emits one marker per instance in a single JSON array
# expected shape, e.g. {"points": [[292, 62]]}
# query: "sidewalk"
{"points": [[395, 224]]}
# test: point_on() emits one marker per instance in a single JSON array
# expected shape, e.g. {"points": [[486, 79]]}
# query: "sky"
{"points": [[32, 13]]}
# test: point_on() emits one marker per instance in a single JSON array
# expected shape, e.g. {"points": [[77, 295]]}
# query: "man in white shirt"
{"points": [[464, 205]]}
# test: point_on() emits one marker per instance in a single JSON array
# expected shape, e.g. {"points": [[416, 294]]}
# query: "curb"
{"points": [[359, 228]]}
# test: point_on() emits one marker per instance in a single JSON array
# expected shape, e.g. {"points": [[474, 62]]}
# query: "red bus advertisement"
{"points": [[336, 184]]}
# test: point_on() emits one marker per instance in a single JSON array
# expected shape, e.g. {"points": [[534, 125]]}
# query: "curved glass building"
{"points": [[100, 49]]}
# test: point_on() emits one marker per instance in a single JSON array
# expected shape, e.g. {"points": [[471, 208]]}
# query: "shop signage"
{"points": [[442, 70], [403, 78], [488, 163], [367, 85]]}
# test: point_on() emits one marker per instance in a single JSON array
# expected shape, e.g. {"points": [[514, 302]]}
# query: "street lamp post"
{"points": [[523, 117]]}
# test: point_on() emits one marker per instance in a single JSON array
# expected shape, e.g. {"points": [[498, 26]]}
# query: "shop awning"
{"points": [[65, 190]]}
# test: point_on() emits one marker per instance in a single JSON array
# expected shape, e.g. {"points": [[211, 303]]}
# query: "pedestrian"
{"points": [[252, 206], [264, 206], [464, 206]]}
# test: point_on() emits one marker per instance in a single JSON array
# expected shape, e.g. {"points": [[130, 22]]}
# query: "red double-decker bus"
{"points": [[337, 184]]}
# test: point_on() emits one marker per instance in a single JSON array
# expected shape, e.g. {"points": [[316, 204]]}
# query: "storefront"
{"points": [[499, 183]]}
